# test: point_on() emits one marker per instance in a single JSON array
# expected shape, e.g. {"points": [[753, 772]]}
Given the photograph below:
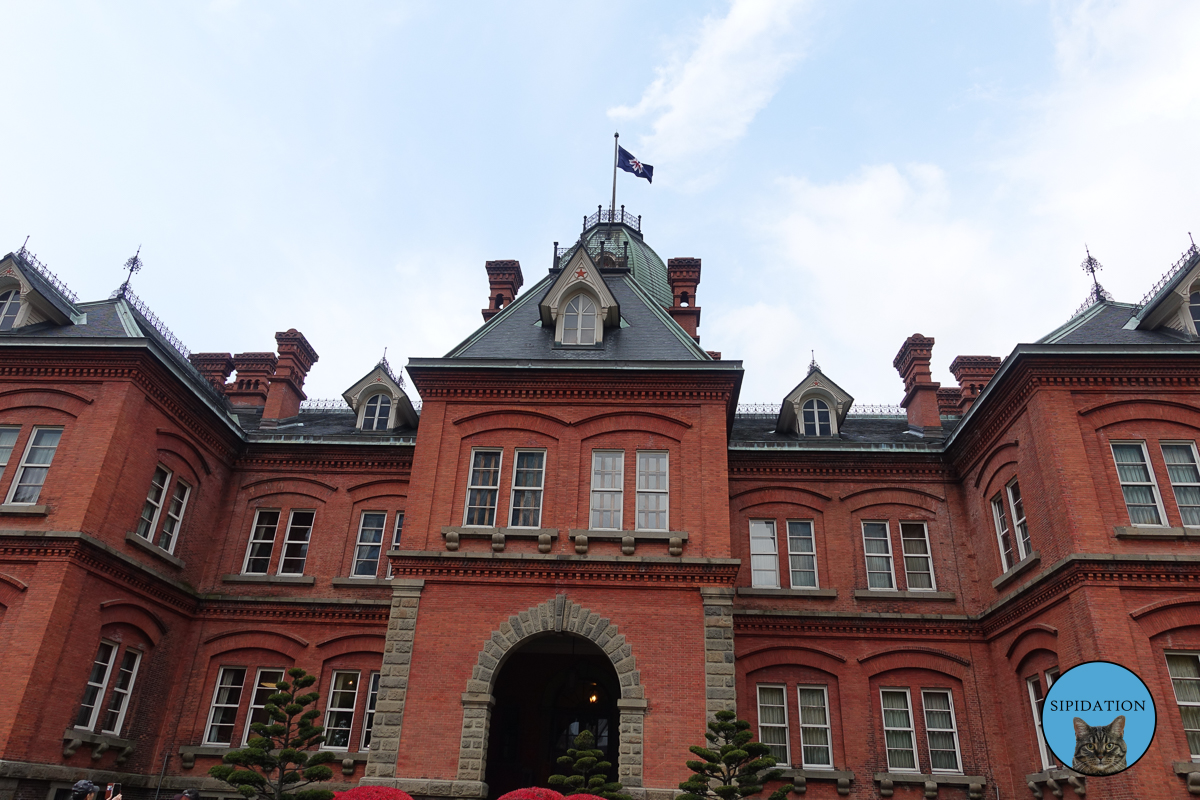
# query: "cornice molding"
{"points": [[538, 569]]}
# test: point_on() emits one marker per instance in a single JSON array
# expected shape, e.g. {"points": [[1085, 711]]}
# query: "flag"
{"points": [[627, 162]]}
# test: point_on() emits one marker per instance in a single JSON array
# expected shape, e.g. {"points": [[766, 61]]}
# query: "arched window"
{"points": [[579, 322], [375, 418], [816, 418], [10, 304], [1193, 302]]}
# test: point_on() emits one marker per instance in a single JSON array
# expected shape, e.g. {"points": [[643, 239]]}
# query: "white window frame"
{"points": [[953, 730], [805, 726], [891, 573], [378, 397], [25, 465], [1000, 518], [1195, 754], [580, 315], [664, 493], [303, 544], [767, 525], [1020, 522], [152, 525], [122, 695], [927, 555], [1153, 483], [539, 490], [616, 492], [330, 710], [258, 679], [369, 712], [359, 545], [1037, 698], [494, 488], [212, 708], [819, 406], [101, 688], [1186, 484], [175, 520], [793, 553], [787, 739], [258, 512], [911, 730], [397, 531], [12, 296], [6, 450]]}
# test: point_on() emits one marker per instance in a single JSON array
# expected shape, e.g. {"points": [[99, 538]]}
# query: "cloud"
{"points": [[707, 98]]}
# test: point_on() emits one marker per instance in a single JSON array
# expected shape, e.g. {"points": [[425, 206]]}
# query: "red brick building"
{"points": [[582, 529]]}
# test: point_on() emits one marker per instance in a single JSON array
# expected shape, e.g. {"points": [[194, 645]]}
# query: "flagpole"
{"points": [[612, 209]]}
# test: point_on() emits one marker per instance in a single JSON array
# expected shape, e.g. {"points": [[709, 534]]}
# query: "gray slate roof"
{"points": [[753, 431], [1103, 324], [324, 424]]}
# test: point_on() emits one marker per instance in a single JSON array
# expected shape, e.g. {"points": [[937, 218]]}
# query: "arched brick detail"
{"points": [[558, 615]]}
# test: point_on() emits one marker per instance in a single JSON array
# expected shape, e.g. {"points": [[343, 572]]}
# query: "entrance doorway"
{"points": [[547, 692]]}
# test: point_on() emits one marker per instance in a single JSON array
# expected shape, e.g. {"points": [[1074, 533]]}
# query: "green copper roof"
{"points": [[648, 269]]}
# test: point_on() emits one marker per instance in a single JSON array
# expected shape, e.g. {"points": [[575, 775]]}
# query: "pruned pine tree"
{"points": [[733, 766], [585, 772], [276, 763]]}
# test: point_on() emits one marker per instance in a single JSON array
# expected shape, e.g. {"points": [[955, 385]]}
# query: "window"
{"points": [[262, 541], [816, 418], [528, 477], [1185, 677], [1036, 700], [1185, 479], [652, 495], [1018, 514], [1193, 307], [941, 731], [608, 485], [295, 546], [339, 714], [814, 728], [1012, 550], [370, 540], [579, 321], [153, 508], [878, 547], [764, 558], [31, 474], [482, 488], [96, 684], [226, 698], [898, 731], [375, 415], [150, 511], [918, 566], [1137, 483], [1003, 534], [399, 529], [772, 722], [802, 554], [118, 703], [264, 687], [10, 304], [8, 439], [369, 717], [170, 528]]}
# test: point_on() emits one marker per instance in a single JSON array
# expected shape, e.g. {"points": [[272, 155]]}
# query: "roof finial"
{"points": [[28, 235], [1193, 241], [134, 264], [813, 366], [1091, 266]]}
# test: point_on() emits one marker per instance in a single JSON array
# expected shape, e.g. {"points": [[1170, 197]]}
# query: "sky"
{"points": [[850, 172]]}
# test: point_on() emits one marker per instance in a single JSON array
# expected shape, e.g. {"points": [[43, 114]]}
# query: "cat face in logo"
{"points": [[1099, 750]]}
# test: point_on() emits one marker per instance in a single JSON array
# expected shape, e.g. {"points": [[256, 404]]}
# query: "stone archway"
{"points": [[562, 616]]}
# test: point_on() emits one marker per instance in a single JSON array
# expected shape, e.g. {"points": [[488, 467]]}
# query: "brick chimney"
{"points": [[215, 367], [948, 398], [920, 391], [296, 357], [973, 374], [684, 276], [506, 280], [254, 371]]}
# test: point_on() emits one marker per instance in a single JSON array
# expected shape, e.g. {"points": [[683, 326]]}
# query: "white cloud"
{"points": [[708, 97]]}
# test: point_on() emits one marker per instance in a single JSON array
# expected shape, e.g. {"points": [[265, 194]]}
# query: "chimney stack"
{"points": [[296, 357], [215, 367], [920, 391], [254, 371], [684, 276], [948, 399], [973, 374], [506, 280]]}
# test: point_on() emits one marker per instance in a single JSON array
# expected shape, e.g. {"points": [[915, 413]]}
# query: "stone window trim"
{"points": [[1054, 781], [931, 783], [452, 535], [893, 594], [1190, 772], [9, 509], [189, 752], [296, 580], [800, 778], [748, 591], [98, 743], [1016, 570], [153, 549], [629, 539], [1151, 533]]}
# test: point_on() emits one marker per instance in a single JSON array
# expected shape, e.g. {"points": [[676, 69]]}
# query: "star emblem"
{"points": [[581, 273]]}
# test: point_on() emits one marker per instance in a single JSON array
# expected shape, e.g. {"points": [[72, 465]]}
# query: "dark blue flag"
{"points": [[630, 164]]}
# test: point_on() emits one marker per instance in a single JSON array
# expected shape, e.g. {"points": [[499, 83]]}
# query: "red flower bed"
{"points": [[534, 793], [372, 793]]}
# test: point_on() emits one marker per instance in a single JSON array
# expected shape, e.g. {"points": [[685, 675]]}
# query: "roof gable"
{"points": [[580, 274], [41, 298], [815, 384], [380, 380]]}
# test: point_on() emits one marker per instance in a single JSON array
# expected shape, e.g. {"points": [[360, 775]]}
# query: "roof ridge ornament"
{"points": [[813, 366], [134, 264], [1098, 293]]}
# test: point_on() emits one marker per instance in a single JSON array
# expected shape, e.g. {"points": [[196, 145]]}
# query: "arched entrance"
{"points": [[549, 690]]}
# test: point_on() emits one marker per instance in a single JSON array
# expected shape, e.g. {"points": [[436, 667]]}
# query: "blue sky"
{"points": [[849, 172]]}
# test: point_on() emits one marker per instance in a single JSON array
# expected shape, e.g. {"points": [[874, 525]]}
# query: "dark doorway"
{"points": [[547, 692]]}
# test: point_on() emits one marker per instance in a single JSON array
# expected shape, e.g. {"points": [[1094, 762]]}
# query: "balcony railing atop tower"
{"points": [[605, 217]]}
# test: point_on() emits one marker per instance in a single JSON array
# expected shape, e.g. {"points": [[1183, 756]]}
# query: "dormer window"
{"points": [[10, 304], [375, 416], [816, 418], [579, 321], [1193, 306]]}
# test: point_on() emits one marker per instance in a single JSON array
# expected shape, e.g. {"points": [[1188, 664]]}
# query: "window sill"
{"points": [[1155, 532], [17, 510], [888, 780], [1185, 767], [99, 743], [892, 594], [303, 580], [629, 539], [499, 536], [153, 550], [763, 592], [801, 777], [362, 582], [1031, 560]]}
